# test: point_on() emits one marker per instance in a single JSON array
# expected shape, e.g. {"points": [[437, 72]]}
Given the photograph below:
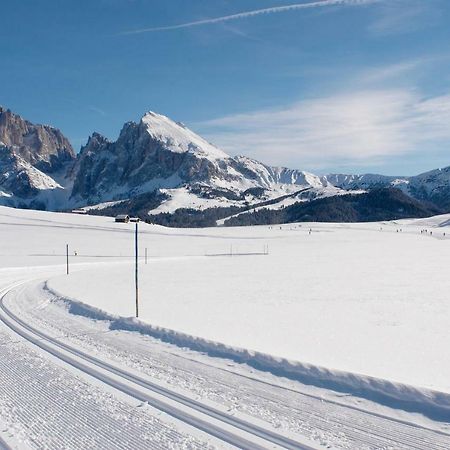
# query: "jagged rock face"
{"points": [[13, 179], [159, 153], [19, 179], [42, 146], [267, 176], [30, 155], [155, 153], [366, 181], [105, 168]]}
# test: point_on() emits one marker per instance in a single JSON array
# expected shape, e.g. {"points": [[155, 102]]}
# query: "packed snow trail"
{"points": [[49, 407], [210, 420], [330, 423]]}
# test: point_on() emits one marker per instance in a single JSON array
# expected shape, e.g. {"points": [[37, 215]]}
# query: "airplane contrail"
{"points": [[256, 12]]}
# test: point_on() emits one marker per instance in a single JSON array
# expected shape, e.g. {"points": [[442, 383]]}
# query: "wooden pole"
{"points": [[136, 269], [67, 259], [145, 255]]}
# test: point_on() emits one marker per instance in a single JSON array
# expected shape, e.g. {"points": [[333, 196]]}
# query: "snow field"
{"points": [[348, 298], [365, 302]]}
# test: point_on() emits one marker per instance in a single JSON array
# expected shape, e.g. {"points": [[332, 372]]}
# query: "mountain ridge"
{"points": [[431, 186], [39, 169]]}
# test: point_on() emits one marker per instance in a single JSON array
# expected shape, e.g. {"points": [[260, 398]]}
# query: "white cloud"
{"points": [[363, 127], [404, 70], [383, 73], [256, 12]]}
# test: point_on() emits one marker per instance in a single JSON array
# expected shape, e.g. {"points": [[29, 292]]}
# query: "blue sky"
{"points": [[337, 86]]}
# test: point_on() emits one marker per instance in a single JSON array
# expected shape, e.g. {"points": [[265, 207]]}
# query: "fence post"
{"points": [[136, 278]]}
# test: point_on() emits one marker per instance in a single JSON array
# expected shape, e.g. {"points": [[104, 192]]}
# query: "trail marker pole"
{"points": [[136, 279], [145, 255], [67, 259]]}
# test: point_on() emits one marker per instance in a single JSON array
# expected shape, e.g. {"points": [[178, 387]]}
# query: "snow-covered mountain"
{"points": [[432, 186], [33, 159], [160, 166], [158, 153]]}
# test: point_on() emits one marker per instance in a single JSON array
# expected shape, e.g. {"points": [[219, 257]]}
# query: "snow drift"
{"points": [[433, 404]]}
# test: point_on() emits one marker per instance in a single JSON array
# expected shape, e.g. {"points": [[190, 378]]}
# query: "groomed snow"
{"points": [[347, 297], [350, 298]]}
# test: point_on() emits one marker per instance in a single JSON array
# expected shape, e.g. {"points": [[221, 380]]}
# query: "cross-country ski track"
{"points": [[344, 425], [209, 420]]}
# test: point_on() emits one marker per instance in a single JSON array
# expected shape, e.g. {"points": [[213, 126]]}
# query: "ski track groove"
{"points": [[28, 386], [78, 359], [70, 419], [362, 430], [358, 432]]}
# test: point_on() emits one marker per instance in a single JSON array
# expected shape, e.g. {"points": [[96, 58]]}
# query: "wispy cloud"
{"points": [[256, 12], [404, 16], [97, 110], [384, 73], [362, 127]]}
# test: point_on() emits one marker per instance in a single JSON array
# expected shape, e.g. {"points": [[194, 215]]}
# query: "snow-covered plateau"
{"points": [[289, 336]]}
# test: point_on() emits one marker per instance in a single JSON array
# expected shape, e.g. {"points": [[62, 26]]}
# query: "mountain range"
{"points": [[164, 172]]}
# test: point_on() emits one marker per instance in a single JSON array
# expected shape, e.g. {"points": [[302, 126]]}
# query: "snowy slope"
{"points": [[22, 184], [432, 186], [365, 181], [33, 161], [271, 177], [178, 138], [303, 195], [441, 221]]}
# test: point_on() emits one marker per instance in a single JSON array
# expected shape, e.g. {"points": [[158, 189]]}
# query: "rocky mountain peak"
{"points": [[178, 138], [42, 146], [95, 141], [159, 160]]}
